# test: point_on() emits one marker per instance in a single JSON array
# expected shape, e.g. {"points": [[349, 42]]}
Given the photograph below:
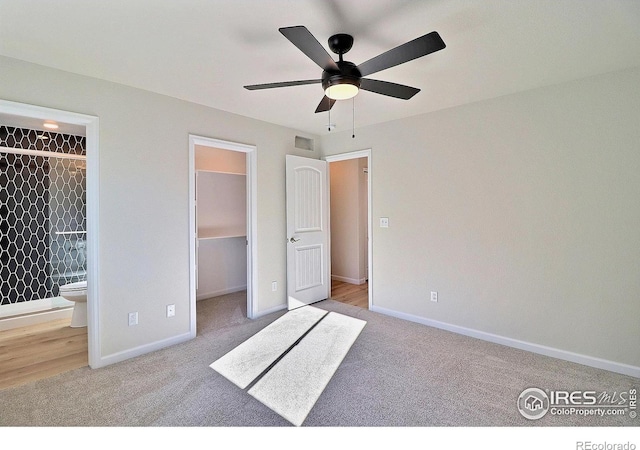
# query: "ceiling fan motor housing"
{"points": [[348, 74]]}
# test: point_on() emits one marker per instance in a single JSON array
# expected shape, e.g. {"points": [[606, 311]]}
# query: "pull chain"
{"points": [[353, 119], [329, 126]]}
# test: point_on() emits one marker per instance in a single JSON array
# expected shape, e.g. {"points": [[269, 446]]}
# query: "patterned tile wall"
{"points": [[42, 206]]}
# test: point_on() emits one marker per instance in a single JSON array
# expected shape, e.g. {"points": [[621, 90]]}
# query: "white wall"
{"points": [[344, 220], [219, 160], [348, 229], [222, 224], [221, 204], [144, 236], [523, 212], [222, 267]]}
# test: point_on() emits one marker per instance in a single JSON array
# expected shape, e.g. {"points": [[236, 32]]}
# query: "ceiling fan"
{"points": [[341, 79]]}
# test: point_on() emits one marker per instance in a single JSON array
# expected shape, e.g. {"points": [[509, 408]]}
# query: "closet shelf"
{"points": [[221, 172], [221, 233], [205, 238]]}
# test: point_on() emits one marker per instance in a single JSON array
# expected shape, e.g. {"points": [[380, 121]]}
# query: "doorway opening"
{"points": [[58, 186], [222, 193], [350, 225]]}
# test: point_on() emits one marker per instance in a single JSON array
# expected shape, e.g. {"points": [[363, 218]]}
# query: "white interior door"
{"points": [[307, 231]]}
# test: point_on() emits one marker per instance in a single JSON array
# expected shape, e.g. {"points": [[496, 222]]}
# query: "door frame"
{"points": [[252, 216], [357, 155], [93, 249]]}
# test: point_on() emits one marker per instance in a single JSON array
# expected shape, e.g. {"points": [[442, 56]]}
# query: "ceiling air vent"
{"points": [[304, 143]]}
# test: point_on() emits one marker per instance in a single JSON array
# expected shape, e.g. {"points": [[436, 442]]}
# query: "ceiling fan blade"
{"points": [[421, 46], [390, 89], [253, 87], [325, 104], [309, 45]]}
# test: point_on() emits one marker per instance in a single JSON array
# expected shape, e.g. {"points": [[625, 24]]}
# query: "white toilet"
{"points": [[76, 292]]}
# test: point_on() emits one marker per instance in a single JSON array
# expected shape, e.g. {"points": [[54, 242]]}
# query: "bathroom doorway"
{"points": [[222, 195], [49, 224]]}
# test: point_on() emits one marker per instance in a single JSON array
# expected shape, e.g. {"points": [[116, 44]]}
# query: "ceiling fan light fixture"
{"points": [[342, 86], [342, 91]]}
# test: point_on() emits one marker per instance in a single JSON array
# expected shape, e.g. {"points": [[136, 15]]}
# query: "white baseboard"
{"points": [[231, 290], [612, 366], [158, 345], [349, 280], [270, 310], [141, 350]]}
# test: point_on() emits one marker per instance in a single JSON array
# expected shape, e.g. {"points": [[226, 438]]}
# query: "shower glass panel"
{"points": [[67, 219]]}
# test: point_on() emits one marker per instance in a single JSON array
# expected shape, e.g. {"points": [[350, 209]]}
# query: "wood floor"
{"points": [[40, 351], [352, 294]]}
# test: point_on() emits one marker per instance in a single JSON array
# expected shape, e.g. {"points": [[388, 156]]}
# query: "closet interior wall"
{"points": [[221, 220]]}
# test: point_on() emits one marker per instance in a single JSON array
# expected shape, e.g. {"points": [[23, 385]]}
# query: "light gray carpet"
{"points": [[397, 373]]}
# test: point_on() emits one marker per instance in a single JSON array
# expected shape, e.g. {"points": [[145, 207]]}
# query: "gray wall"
{"points": [[523, 212], [144, 233]]}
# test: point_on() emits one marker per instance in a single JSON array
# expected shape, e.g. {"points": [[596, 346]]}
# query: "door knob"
{"points": [[293, 240]]}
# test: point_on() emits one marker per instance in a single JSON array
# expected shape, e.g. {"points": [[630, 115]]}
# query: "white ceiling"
{"points": [[204, 51]]}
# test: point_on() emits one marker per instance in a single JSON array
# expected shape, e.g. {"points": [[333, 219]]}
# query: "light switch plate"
{"points": [[384, 222], [133, 318]]}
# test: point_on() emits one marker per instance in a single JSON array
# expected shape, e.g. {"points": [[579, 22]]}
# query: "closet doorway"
{"points": [[222, 214]]}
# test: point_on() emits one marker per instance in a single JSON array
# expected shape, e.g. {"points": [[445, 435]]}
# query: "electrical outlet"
{"points": [[434, 296], [171, 310], [274, 286], [133, 318]]}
